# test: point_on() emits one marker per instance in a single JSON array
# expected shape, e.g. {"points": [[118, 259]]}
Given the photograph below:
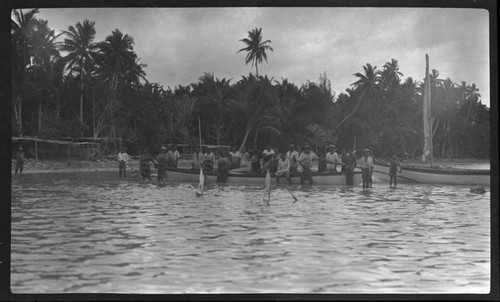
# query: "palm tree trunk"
{"points": [[81, 100], [245, 137], [20, 104], [352, 112], [468, 113], [39, 116], [255, 137], [93, 113], [16, 114]]}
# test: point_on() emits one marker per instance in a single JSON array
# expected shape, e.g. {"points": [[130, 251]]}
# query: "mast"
{"points": [[427, 118]]}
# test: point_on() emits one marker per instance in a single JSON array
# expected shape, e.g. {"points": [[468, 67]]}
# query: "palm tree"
{"points": [[390, 76], [367, 85], [82, 50], [118, 62], [118, 56], [256, 48], [22, 27], [256, 106], [291, 103], [212, 95], [46, 66]]}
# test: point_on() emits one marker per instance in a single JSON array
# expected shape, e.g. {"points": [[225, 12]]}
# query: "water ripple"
{"points": [[89, 235]]}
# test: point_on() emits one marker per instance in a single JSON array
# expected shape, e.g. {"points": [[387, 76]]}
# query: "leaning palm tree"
{"points": [[81, 50], [256, 48], [366, 85]]}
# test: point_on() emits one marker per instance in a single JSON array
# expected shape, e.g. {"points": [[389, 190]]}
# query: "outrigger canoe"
{"points": [[252, 178], [446, 176]]}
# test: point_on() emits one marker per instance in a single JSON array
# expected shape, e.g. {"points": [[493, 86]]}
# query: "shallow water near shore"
{"points": [[94, 235]]}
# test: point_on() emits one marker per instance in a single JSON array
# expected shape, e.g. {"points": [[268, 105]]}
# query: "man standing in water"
{"points": [[223, 166], [293, 156], [306, 161], [144, 160], [267, 157], [395, 167], [162, 163], [255, 156], [370, 182], [350, 164], [123, 158], [20, 159], [366, 164]]}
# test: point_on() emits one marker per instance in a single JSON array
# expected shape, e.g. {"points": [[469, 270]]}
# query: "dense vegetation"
{"points": [[70, 85]]}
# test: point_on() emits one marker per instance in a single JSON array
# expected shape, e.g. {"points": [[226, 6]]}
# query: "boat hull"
{"points": [[434, 176], [251, 178]]}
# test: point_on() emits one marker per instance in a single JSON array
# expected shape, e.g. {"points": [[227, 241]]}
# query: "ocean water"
{"points": [[95, 235]]}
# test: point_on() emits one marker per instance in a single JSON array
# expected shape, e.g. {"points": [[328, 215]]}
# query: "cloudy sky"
{"points": [[180, 44]]}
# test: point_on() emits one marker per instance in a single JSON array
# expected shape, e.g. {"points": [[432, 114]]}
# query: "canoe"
{"points": [[252, 178], [447, 176]]}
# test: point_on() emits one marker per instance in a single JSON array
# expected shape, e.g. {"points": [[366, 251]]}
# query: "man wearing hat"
{"points": [[20, 159], [350, 164], [293, 156], [370, 181], [332, 159], [208, 159], [123, 158], [171, 160], [366, 165], [162, 161], [306, 161], [176, 155]]}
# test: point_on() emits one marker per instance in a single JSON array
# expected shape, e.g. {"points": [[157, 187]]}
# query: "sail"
{"points": [[427, 113]]}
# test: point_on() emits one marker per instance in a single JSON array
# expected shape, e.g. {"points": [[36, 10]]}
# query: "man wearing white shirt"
{"points": [[332, 159], [177, 156], [268, 155], [283, 168], [235, 158], [123, 158], [366, 165], [293, 156]]}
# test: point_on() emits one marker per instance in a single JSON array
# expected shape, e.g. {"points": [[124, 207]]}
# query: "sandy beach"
{"points": [[51, 166]]}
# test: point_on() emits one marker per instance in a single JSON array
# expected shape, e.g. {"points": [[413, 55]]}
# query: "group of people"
{"points": [[279, 164], [366, 164]]}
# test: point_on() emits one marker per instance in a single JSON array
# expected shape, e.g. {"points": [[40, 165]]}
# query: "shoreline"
{"points": [[75, 166]]}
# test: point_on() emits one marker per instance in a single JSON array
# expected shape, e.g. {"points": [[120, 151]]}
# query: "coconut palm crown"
{"points": [[256, 48]]}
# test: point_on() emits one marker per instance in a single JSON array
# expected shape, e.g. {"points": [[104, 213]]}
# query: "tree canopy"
{"points": [[69, 86]]}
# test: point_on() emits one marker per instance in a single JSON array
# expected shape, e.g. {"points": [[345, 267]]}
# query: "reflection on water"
{"points": [[77, 235]]}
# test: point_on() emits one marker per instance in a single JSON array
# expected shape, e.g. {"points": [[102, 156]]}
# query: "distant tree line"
{"points": [[70, 86]]}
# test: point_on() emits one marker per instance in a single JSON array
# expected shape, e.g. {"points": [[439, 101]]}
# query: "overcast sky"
{"points": [[180, 44]]}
